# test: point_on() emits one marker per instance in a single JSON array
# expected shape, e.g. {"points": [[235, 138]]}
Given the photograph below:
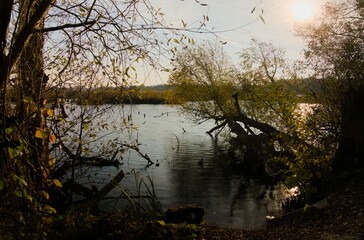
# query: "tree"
{"points": [[335, 50], [258, 103], [47, 45]]}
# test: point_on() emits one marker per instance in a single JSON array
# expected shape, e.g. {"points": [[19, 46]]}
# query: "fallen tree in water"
{"points": [[258, 107]]}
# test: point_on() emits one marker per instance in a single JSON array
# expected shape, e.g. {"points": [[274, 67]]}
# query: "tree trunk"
{"points": [[350, 152], [29, 88]]}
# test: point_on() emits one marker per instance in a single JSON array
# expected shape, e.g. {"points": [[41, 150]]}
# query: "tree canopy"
{"points": [[260, 101]]}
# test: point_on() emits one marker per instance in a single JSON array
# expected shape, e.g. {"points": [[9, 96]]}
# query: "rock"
{"points": [[185, 213]]}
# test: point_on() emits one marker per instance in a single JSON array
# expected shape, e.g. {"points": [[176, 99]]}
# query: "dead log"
{"points": [[92, 202]]}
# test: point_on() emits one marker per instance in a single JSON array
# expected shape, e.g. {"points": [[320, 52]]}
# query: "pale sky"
{"points": [[234, 23]]}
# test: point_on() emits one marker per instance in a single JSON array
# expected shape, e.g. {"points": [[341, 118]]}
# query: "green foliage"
{"points": [[201, 74], [270, 93]]}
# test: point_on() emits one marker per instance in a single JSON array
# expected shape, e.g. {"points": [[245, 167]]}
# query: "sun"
{"points": [[302, 10]]}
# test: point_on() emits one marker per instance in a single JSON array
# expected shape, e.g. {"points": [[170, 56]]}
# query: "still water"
{"points": [[192, 168]]}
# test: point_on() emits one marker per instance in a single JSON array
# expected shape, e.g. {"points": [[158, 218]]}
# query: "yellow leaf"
{"points": [[57, 183], [38, 134], [45, 173], [49, 209], [50, 112], [52, 138], [52, 161], [161, 222], [45, 195]]}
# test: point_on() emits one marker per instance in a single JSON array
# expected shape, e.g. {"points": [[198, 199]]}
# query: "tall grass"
{"points": [[144, 203]]}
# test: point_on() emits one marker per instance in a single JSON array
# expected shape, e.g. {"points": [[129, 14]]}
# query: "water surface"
{"points": [[193, 168]]}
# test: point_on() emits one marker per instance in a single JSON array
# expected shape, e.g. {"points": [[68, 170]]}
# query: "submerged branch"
{"points": [[269, 132], [221, 125], [92, 202], [135, 148]]}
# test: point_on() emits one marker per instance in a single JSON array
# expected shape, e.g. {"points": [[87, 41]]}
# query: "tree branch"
{"points": [[24, 35], [92, 202], [65, 26]]}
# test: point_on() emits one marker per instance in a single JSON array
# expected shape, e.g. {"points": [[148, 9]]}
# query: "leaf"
{"points": [[57, 183], [39, 134], [161, 222], [30, 198], [27, 99], [50, 112], [52, 138], [23, 182], [18, 193], [85, 126], [8, 130], [261, 18], [45, 195], [49, 209], [52, 161], [20, 180]]}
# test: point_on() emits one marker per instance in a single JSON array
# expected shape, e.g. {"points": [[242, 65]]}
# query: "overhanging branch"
{"points": [[65, 26]]}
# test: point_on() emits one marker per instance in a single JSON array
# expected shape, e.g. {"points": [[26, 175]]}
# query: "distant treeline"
{"points": [[162, 94], [159, 94]]}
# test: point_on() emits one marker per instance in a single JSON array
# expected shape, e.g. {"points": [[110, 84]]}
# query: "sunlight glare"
{"points": [[302, 10]]}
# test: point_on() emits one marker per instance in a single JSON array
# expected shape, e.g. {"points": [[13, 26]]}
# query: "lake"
{"points": [[193, 168]]}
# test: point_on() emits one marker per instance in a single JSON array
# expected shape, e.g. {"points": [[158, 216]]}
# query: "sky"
{"points": [[234, 23]]}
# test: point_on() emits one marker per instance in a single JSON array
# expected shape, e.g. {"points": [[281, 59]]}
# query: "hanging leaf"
{"points": [[20, 180], [52, 138], [49, 209], [50, 112], [39, 134], [45, 195], [57, 183], [52, 161], [161, 222]]}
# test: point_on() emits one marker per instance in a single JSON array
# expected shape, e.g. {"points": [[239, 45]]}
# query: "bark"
{"points": [[31, 81], [5, 14], [350, 152]]}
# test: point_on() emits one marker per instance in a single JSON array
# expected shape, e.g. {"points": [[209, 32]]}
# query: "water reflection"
{"points": [[193, 168]]}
